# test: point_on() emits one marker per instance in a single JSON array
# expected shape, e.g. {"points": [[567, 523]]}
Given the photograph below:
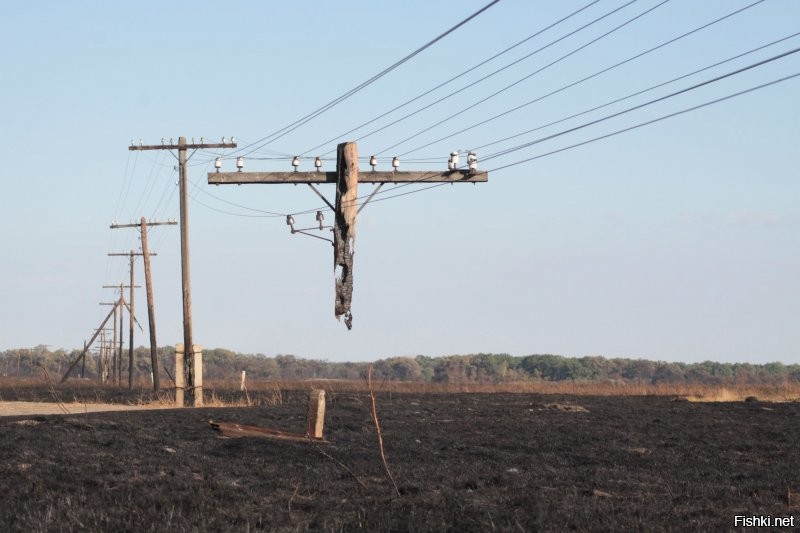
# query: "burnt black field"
{"points": [[462, 462]]}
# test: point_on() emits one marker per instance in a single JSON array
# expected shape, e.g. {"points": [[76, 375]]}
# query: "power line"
{"points": [[293, 126], [594, 139], [570, 85], [212, 208], [262, 212], [653, 121], [485, 61], [147, 191], [527, 56], [645, 104], [637, 93], [507, 87]]}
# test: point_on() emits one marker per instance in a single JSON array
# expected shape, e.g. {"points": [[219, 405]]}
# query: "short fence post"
{"points": [[180, 378], [198, 375], [241, 385], [315, 419]]}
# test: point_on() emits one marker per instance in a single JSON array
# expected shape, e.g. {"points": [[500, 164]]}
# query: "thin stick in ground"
{"points": [[378, 429]]}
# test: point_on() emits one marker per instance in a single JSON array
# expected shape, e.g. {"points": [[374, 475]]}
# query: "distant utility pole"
{"points": [[88, 345], [114, 352], [346, 177], [183, 158], [132, 255], [148, 282]]}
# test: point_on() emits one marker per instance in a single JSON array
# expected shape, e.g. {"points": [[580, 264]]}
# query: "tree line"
{"points": [[223, 364]]}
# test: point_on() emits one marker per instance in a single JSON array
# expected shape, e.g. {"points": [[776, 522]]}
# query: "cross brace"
{"points": [[240, 178]]}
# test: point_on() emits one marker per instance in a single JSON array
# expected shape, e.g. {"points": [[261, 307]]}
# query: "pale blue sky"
{"points": [[678, 241]]}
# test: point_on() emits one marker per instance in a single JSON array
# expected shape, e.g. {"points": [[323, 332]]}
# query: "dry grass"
{"points": [[222, 393], [789, 392]]}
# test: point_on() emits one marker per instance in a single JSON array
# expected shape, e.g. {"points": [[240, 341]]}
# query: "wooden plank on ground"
{"points": [[234, 430]]}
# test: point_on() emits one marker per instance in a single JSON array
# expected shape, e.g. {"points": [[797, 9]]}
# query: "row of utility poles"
{"points": [[188, 378], [120, 305]]}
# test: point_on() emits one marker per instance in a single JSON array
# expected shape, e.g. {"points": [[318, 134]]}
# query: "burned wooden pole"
{"points": [[344, 228], [346, 177]]}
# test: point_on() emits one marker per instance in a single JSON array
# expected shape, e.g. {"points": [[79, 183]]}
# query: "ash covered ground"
{"points": [[462, 462]]}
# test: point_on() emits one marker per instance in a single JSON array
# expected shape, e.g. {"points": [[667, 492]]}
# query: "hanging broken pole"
{"points": [[346, 208], [344, 228]]}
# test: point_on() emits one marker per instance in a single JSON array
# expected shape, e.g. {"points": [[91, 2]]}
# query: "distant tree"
{"points": [[398, 369], [668, 373]]}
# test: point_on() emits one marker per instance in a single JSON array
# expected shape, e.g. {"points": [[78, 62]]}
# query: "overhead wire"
{"points": [[522, 146], [617, 132], [568, 86], [147, 191], [611, 134], [558, 40], [457, 76], [314, 114], [195, 186], [645, 104], [537, 71], [497, 71], [637, 93], [166, 195], [652, 121]]}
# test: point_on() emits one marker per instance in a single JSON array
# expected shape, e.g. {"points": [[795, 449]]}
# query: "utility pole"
{"points": [[100, 354], [148, 282], [101, 358], [132, 255], [88, 345], [346, 177], [83, 365], [114, 354], [183, 158], [121, 337], [132, 317]]}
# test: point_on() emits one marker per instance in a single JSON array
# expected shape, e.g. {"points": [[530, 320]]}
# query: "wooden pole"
{"points": [[130, 330], [114, 350], [121, 341], [315, 417], [185, 274], [101, 356], [83, 364], [86, 347], [182, 147], [142, 227], [344, 228], [151, 317]]}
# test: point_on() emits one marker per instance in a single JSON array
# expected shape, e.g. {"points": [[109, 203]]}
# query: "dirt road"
{"points": [[50, 408]]}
